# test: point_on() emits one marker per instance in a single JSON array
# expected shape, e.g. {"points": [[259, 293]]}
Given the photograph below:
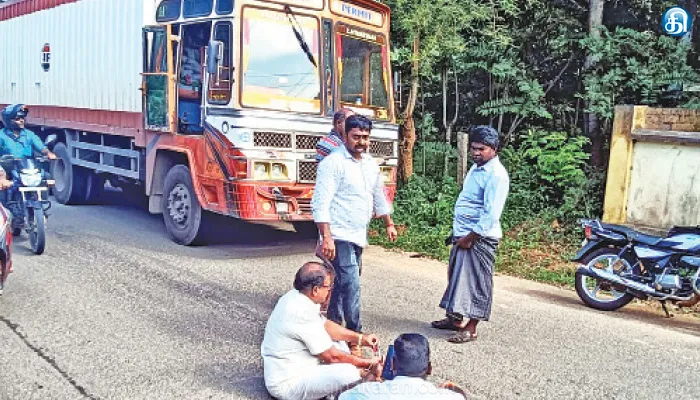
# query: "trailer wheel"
{"points": [[94, 187], [182, 212], [70, 179]]}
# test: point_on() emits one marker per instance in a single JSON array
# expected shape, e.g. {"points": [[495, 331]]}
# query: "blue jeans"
{"points": [[345, 298]]}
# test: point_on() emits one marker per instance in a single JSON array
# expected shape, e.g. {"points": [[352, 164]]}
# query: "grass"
{"points": [[537, 250]]}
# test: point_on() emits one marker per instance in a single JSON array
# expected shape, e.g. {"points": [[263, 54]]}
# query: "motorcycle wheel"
{"points": [[600, 294], [37, 232]]}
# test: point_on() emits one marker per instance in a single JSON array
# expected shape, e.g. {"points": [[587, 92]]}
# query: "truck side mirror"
{"points": [[214, 56], [50, 140]]}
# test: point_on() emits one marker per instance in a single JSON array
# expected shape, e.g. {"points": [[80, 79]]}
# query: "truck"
{"points": [[203, 106]]}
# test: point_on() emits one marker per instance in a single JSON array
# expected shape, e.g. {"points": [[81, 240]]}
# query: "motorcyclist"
{"points": [[18, 141]]}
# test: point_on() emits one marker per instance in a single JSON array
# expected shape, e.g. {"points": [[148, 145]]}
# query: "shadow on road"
{"points": [[223, 233], [646, 313]]}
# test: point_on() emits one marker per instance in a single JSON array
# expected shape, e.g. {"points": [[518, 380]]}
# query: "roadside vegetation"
{"points": [[547, 74]]}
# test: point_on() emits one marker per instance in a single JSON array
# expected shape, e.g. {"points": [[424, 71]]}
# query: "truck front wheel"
{"points": [[182, 212], [70, 179]]}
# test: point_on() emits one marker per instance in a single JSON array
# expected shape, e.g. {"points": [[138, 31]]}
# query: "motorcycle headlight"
{"points": [[30, 180], [279, 171], [261, 170]]}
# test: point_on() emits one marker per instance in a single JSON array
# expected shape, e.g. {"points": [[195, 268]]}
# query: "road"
{"points": [[114, 310]]}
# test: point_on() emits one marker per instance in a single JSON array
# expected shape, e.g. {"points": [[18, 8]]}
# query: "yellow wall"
{"points": [[654, 170]]}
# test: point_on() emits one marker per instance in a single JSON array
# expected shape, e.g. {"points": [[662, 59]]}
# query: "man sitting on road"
{"points": [[410, 365], [304, 355]]}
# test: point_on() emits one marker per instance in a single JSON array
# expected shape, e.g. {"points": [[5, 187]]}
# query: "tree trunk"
{"points": [[448, 125], [592, 123], [407, 131]]}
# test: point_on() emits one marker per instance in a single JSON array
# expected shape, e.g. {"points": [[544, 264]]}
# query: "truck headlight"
{"points": [[386, 174], [279, 171], [261, 171]]}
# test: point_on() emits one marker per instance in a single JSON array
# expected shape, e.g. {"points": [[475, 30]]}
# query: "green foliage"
{"points": [[530, 69], [633, 67], [424, 208]]}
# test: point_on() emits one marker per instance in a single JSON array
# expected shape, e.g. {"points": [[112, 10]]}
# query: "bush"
{"points": [[551, 186]]}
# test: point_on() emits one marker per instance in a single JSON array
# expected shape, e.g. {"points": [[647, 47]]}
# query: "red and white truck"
{"points": [[204, 105]]}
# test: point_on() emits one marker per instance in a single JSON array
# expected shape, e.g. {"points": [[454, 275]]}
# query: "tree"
{"points": [[592, 127], [425, 33]]}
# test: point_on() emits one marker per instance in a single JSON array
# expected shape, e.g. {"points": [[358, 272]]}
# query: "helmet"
{"points": [[12, 112]]}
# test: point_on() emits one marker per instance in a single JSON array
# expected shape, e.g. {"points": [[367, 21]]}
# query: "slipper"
{"points": [[463, 336], [445, 324]]}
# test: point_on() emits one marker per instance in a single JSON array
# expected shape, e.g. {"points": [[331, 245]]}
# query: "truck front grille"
{"points": [[273, 139], [306, 142], [381, 148], [307, 171]]}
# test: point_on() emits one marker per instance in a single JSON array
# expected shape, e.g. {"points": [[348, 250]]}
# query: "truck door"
{"points": [[158, 84]]}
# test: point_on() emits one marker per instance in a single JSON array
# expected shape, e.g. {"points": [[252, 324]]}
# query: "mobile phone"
{"points": [[387, 372]]}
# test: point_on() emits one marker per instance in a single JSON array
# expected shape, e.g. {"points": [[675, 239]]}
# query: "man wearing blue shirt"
{"points": [[476, 231], [18, 141]]}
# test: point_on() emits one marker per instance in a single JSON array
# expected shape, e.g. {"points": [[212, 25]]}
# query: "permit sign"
{"points": [[356, 12]]}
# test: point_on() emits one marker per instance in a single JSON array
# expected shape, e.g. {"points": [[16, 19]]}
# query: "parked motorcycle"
{"points": [[620, 263], [28, 197], [5, 246]]}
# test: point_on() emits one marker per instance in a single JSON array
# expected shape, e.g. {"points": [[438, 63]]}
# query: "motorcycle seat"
{"points": [[634, 235]]}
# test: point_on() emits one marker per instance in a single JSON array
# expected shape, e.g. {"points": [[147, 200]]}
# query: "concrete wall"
{"points": [[654, 171]]}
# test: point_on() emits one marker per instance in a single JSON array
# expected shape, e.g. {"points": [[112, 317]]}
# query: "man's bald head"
{"points": [[312, 274]]}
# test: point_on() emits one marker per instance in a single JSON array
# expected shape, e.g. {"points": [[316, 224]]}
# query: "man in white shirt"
{"points": [[348, 191], [411, 365], [305, 356]]}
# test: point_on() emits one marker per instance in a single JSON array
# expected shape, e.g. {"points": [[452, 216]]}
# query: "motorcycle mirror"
{"points": [[50, 140]]}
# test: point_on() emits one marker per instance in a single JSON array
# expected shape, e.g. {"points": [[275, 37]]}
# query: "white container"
{"points": [[95, 57]]}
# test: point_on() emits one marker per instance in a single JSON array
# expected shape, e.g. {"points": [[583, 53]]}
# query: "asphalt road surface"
{"points": [[115, 310]]}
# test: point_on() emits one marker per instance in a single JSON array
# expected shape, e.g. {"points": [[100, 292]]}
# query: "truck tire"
{"points": [[70, 179], [182, 212], [94, 187]]}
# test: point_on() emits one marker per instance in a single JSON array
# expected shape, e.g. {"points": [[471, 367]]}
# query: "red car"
{"points": [[5, 246]]}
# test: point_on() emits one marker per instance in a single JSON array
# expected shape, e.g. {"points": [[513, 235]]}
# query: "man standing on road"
{"points": [[476, 232], [305, 356], [327, 144], [349, 190]]}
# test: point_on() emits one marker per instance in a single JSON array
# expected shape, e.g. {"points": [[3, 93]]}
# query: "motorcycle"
{"points": [[27, 198], [618, 264], [5, 246]]}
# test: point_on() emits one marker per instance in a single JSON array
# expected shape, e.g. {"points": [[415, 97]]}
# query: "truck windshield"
{"points": [[363, 70], [277, 74]]}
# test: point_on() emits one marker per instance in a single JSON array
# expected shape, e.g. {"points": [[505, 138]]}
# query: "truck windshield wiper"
{"points": [[299, 35]]}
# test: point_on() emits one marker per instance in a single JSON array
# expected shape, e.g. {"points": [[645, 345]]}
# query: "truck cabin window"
{"points": [[224, 7], [277, 73], [168, 10], [363, 70], [197, 8], [195, 38]]}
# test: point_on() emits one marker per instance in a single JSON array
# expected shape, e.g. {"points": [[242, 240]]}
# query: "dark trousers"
{"points": [[345, 298]]}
